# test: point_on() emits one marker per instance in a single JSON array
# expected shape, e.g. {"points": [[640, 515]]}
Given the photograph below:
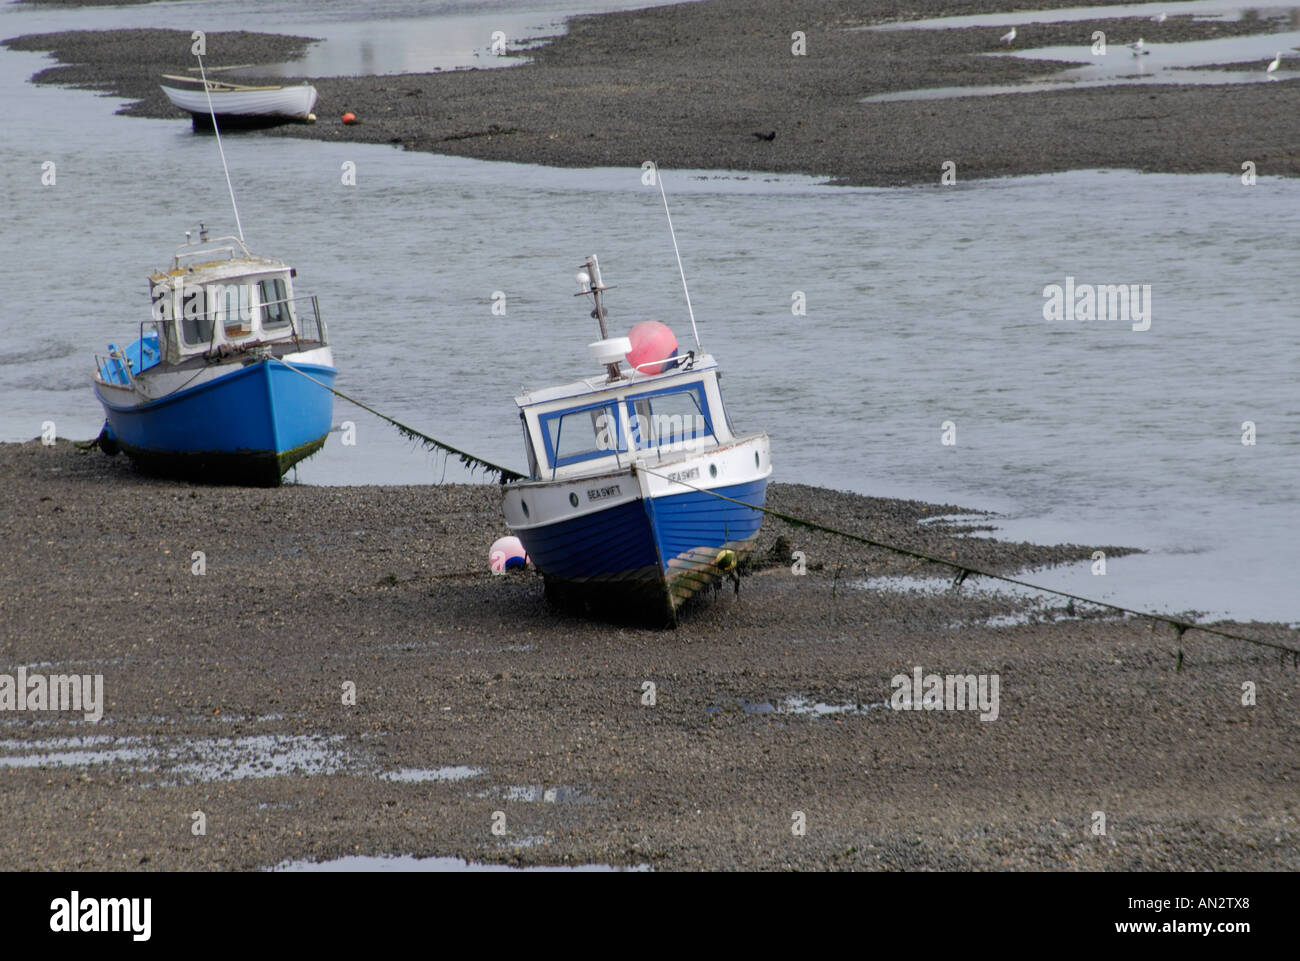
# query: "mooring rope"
{"points": [[964, 570], [469, 460]]}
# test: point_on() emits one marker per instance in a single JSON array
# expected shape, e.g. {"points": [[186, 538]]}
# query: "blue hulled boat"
{"points": [[640, 493], [228, 380]]}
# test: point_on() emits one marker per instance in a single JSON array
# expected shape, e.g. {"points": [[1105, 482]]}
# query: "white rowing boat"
{"points": [[237, 102]]}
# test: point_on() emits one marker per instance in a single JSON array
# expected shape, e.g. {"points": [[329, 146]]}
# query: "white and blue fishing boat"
{"points": [[228, 381], [640, 493]]}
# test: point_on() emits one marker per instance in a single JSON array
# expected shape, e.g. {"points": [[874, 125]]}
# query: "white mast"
{"points": [[213, 114], [689, 310]]}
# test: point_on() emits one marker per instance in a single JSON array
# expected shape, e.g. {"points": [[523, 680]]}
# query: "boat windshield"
{"points": [[582, 433], [669, 416]]}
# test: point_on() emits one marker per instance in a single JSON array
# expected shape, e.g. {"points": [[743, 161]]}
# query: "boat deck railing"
{"points": [[308, 329], [305, 329], [676, 364], [233, 247], [122, 364]]}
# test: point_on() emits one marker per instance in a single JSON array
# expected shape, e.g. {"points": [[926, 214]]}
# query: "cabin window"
{"points": [[669, 416], [196, 322], [230, 303], [275, 302], [583, 433]]}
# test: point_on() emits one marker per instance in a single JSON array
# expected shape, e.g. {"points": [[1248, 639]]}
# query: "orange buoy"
{"points": [[349, 118]]}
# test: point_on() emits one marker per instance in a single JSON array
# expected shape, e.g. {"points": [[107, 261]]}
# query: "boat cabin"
{"points": [[606, 423], [218, 294], [217, 298]]}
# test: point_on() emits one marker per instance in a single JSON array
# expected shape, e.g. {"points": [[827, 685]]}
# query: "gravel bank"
{"points": [[238, 672], [691, 85]]}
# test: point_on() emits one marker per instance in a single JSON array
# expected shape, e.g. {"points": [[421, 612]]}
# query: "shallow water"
{"points": [[375, 37], [798, 705], [538, 794], [924, 305], [185, 760], [1117, 63], [1194, 9], [456, 772]]}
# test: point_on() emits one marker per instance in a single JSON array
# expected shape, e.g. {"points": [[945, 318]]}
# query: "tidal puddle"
{"points": [[379, 38], [794, 704], [181, 760], [900, 584], [801, 705], [1193, 9], [186, 760], [407, 863], [537, 794], [457, 772], [958, 523], [1124, 63], [73, 752], [1033, 605]]}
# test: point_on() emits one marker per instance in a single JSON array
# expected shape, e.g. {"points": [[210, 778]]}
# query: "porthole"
{"points": [[713, 470], [756, 463], [524, 505], [573, 499]]}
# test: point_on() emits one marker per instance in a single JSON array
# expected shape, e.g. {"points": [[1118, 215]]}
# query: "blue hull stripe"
{"points": [[632, 537], [264, 408], [696, 519], [609, 542]]}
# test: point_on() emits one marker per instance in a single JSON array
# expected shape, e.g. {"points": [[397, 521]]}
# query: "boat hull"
{"points": [[657, 544], [248, 107], [247, 426]]}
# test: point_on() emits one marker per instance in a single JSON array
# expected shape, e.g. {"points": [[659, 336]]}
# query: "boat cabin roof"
{"points": [[602, 423], [594, 388], [219, 259]]}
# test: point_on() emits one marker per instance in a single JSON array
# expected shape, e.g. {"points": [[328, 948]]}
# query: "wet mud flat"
{"points": [[224, 693], [693, 85]]}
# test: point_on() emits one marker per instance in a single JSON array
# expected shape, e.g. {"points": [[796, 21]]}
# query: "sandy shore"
{"points": [[690, 85], [240, 670]]}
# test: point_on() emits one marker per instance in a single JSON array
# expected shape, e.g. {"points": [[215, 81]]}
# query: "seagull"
{"points": [[1159, 19], [1277, 62], [1139, 48], [1007, 38]]}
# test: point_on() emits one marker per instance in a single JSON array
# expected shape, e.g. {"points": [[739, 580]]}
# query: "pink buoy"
{"points": [[652, 342], [507, 553]]}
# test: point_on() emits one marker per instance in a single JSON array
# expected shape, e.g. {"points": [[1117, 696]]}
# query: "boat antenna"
{"points": [[659, 177], [213, 114]]}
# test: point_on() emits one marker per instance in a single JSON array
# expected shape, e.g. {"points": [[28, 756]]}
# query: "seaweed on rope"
{"points": [[502, 474]]}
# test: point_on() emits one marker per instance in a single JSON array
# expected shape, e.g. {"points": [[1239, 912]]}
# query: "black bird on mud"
{"points": [[771, 135]]}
